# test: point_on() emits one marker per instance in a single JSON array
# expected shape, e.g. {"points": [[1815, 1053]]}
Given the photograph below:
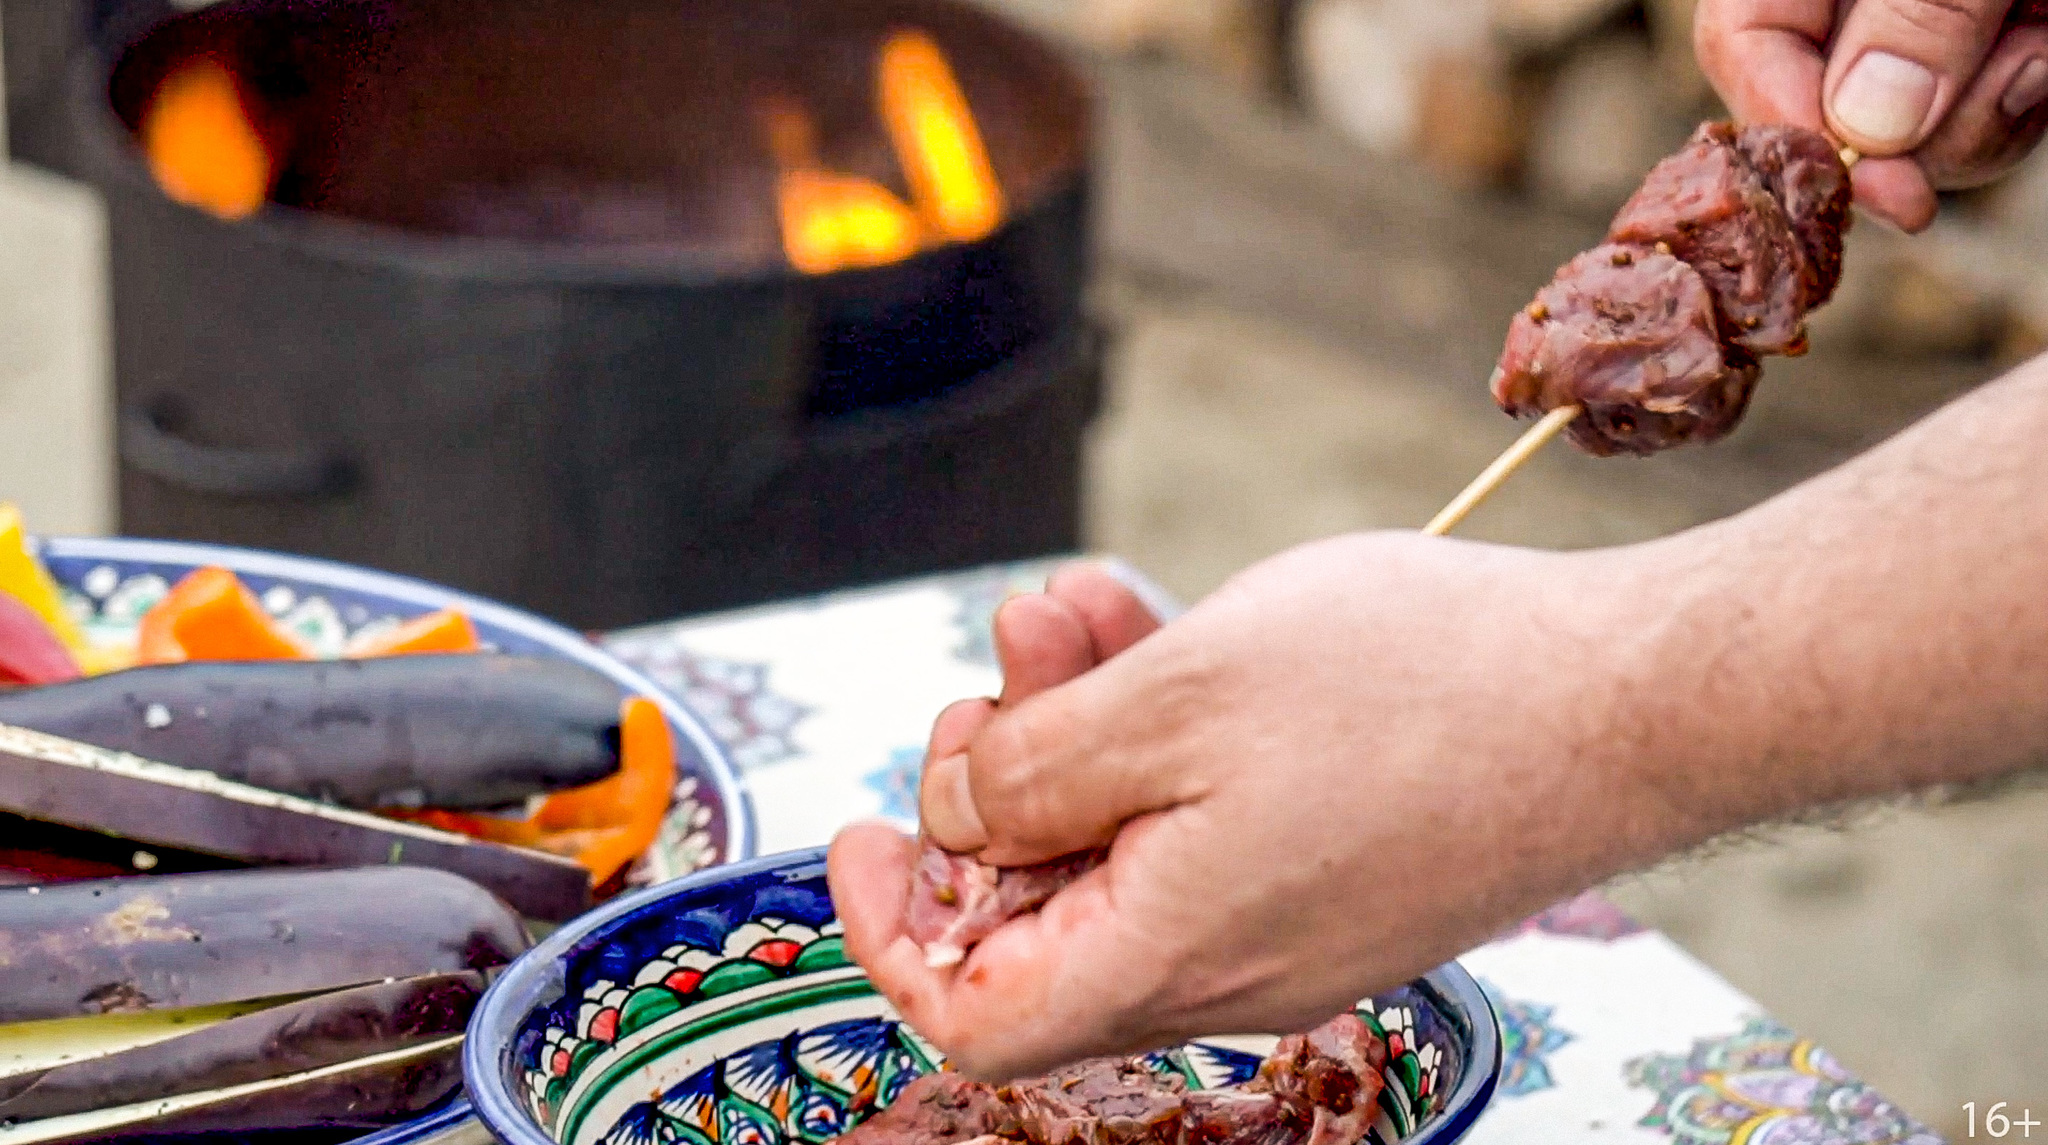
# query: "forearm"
{"points": [[1882, 628]]}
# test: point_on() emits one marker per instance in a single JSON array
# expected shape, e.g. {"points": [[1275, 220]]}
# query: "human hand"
{"points": [[1353, 762], [1935, 94]]}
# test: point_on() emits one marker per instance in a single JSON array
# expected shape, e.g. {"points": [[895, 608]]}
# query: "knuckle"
{"points": [[1938, 19], [1009, 774]]}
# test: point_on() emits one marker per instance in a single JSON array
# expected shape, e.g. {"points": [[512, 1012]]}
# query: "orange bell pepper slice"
{"points": [[604, 825], [490, 828], [604, 851], [621, 813], [443, 631], [637, 794], [211, 615]]}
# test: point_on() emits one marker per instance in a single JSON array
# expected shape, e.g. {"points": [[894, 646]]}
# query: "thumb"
{"points": [[1898, 66], [1062, 771]]}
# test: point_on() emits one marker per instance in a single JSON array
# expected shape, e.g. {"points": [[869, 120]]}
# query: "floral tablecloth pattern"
{"points": [[1613, 1034]]}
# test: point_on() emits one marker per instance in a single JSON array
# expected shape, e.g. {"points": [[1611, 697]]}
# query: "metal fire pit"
{"points": [[517, 317]]}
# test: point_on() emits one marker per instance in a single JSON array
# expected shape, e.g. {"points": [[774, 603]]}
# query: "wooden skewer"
{"points": [[1495, 475], [1525, 447]]}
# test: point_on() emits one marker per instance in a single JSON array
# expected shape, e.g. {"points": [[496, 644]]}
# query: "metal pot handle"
{"points": [[150, 442]]}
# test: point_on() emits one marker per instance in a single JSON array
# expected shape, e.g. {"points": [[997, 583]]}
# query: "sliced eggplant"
{"points": [[362, 1093], [180, 941], [37, 852], [29, 1049], [78, 785], [468, 731], [295, 1037]]}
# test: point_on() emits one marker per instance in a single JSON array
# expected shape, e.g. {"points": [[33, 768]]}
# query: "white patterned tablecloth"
{"points": [[1613, 1033]]}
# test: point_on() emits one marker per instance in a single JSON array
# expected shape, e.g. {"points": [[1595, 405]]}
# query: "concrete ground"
{"points": [[1256, 403]]}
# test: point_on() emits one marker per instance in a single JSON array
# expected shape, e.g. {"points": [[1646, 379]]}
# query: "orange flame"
{"points": [[936, 139], [832, 221], [202, 147]]}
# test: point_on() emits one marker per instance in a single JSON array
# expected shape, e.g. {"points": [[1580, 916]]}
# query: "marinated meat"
{"points": [[1732, 241], [1318, 1088], [1236, 1117], [938, 1108], [1711, 209], [1333, 1071], [956, 901], [1107, 1101], [1805, 173], [1631, 337]]}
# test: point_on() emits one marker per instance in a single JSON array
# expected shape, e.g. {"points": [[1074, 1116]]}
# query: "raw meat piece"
{"points": [[1805, 174], [1107, 1101], [940, 1108], [1333, 1071], [1236, 1117], [956, 901], [1318, 1088], [1630, 336], [1738, 236], [1711, 209]]}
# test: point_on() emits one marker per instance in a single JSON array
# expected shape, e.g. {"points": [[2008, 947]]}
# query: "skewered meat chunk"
{"points": [[956, 901], [1630, 336], [1716, 260], [1712, 209], [1805, 174], [1318, 1088]]}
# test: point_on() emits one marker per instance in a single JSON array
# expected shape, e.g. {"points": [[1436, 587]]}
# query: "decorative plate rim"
{"points": [[737, 801], [537, 978]]}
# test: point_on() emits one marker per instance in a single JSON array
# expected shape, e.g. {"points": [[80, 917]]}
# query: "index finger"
{"points": [[1765, 57], [869, 872]]}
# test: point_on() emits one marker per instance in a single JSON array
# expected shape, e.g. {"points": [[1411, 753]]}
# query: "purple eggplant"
{"points": [[157, 806], [292, 1038], [180, 941], [361, 1094], [467, 731]]}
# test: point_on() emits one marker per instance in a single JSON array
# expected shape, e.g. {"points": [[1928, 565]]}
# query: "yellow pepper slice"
{"points": [[23, 577]]}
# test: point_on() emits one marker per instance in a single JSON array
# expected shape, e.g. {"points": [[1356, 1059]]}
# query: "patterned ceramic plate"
{"points": [[110, 582], [722, 1010]]}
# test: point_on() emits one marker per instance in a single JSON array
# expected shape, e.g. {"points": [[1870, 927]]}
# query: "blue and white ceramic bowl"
{"points": [[722, 1010], [108, 583]]}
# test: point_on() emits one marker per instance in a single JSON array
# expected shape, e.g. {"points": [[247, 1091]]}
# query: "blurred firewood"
{"points": [[1600, 125], [1476, 128], [1238, 40], [1542, 26], [1415, 78], [1685, 86]]}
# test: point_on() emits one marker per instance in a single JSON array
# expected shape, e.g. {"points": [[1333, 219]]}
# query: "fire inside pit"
{"points": [[734, 299], [199, 129]]}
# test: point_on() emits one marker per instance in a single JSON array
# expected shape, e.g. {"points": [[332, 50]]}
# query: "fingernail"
{"points": [[949, 814], [1884, 99], [2027, 88]]}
